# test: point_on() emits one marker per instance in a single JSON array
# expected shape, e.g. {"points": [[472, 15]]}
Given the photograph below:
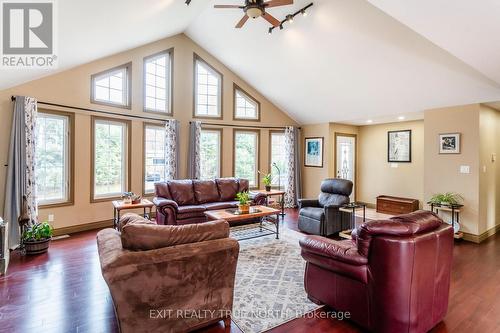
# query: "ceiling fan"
{"points": [[257, 8]]}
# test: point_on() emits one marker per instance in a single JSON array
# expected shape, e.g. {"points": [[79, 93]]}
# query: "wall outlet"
{"points": [[51, 217], [493, 157], [484, 168], [465, 169]]}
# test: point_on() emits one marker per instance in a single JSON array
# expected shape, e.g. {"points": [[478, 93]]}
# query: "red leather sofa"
{"points": [[394, 276], [185, 201]]}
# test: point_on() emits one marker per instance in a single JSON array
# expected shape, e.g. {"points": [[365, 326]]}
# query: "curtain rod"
{"points": [[243, 126], [13, 98]]}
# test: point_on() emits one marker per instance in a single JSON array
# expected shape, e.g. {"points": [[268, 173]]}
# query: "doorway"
{"points": [[345, 159]]}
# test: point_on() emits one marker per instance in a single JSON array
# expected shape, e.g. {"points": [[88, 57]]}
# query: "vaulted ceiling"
{"points": [[348, 61]]}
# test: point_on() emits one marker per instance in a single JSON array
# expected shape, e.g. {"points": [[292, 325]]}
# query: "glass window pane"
{"points": [[111, 87], [207, 90], [210, 147], [156, 81], [51, 160], [246, 107], [278, 157], [116, 96], [109, 158], [154, 157], [246, 156]]}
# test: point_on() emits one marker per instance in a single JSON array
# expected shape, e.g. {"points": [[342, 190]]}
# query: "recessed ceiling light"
{"points": [[401, 117], [369, 121]]}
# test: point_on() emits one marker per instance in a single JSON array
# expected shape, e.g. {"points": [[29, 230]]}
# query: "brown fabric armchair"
{"points": [[394, 276], [169, 278]]}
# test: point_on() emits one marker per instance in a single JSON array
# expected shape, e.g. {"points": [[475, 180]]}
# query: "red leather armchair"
{"points": [[394, 276]]}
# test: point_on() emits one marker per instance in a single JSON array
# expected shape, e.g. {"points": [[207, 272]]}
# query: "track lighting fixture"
{"points": [[289, 18]]}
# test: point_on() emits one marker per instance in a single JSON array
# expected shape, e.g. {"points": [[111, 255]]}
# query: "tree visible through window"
{"points": [[52, 158], [278, 155], [210, 151], [110, 156], [154, 158], [246, 156]]}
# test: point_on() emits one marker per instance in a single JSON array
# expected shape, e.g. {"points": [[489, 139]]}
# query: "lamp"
{"points": [[254, 12]]}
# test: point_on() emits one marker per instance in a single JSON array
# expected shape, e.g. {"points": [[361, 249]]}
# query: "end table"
{"points": [[351, 209], [118, 206]]}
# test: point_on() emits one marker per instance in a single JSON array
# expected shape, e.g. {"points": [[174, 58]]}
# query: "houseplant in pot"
{"points": [[243, 202], [36, 238], [446, 199], [267, 180]]}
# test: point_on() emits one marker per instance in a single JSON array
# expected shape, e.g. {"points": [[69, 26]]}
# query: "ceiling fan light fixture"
{"points": [[254, 12]]}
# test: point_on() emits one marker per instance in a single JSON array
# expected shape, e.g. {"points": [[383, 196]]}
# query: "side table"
{"points": [[351, 209], [271, 193], [118, 206]]}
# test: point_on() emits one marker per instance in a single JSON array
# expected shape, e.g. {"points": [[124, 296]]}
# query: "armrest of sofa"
{"points": [[345, 251], [258, 199], [160, 202], [308, 203]]}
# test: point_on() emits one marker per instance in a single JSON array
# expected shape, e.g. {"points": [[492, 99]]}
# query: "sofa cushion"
{"points": [[148, 237], [182, 191], [313, 213], [221, 205], [132, 218], [205, 191], [161, 190], [228, 187], [244, 185], [190, 211]]}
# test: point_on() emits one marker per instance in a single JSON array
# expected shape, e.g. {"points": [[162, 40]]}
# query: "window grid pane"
{"points": [[111, 87], [154, 157], [208, 91], [51, 160], [245, 107], [246, 156], [157, 93], [278, 156], [210, 147], [109, 159]]}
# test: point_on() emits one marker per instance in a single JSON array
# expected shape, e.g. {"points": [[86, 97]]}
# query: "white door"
{"points": [[346, 159]]}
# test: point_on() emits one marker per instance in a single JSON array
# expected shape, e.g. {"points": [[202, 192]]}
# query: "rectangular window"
{"points": [[154, 156], [207, 90], [52, 160], [157, 83], [112, 87], [246, 155], [210, 161], [245, 106], [110, 156], [277, 154]]}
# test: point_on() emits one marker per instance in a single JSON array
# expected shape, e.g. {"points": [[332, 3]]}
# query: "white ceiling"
{"points": [[348, 61]]}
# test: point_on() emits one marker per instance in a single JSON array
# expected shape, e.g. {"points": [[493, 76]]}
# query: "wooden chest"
{"points": [[395, 205]]}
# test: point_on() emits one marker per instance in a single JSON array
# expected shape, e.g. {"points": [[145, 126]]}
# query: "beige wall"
{"points": [[489, 176], [72, 87], [442, 172], [379, 177], [312, 176]]}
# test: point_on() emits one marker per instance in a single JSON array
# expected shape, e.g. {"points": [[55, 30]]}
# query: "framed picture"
{"points": [[449, 143], [399, 146], [314, 152]]}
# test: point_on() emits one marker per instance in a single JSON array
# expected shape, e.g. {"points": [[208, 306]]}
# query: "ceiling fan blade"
{"points": [[242, 22], [277, 3], [271, 19], [228, 6]]}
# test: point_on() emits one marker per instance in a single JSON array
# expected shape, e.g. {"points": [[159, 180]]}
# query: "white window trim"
{"points": [[237, 89], [219, 159], [125, 162], [127, 92], [209, 68], [169, 87], [68, 160]]}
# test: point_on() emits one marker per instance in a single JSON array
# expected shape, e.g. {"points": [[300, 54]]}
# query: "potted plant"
{"points": [[267, 180], [36, 238], [244, 202], [446, 199]]}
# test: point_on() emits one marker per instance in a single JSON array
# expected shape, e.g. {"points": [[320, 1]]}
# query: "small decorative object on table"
{"points": [[351, 208], [244, 202], [131, 198], [267, 180], [448, 202], [36, 238]]}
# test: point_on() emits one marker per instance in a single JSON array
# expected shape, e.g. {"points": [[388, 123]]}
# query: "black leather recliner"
{"points": [[322, 216]]}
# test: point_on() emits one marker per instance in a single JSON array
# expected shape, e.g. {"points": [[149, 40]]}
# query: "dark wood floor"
{"points": [[63, 291]]}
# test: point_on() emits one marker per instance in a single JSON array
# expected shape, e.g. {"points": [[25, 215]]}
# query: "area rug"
{"points": [[269, 288]]}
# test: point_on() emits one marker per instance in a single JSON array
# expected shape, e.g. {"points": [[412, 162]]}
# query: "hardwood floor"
{"points": [[63, 291]]}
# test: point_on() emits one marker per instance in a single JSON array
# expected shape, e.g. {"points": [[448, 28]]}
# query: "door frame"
{"points": [[355, 136]]}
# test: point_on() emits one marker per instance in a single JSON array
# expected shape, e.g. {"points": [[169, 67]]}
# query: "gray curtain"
{"points": [[194, 150], [171, 149], [21, 167], [293, 184]]}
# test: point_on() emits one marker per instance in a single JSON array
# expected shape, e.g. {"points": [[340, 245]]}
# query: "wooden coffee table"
{"points": [[256, 212]]}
